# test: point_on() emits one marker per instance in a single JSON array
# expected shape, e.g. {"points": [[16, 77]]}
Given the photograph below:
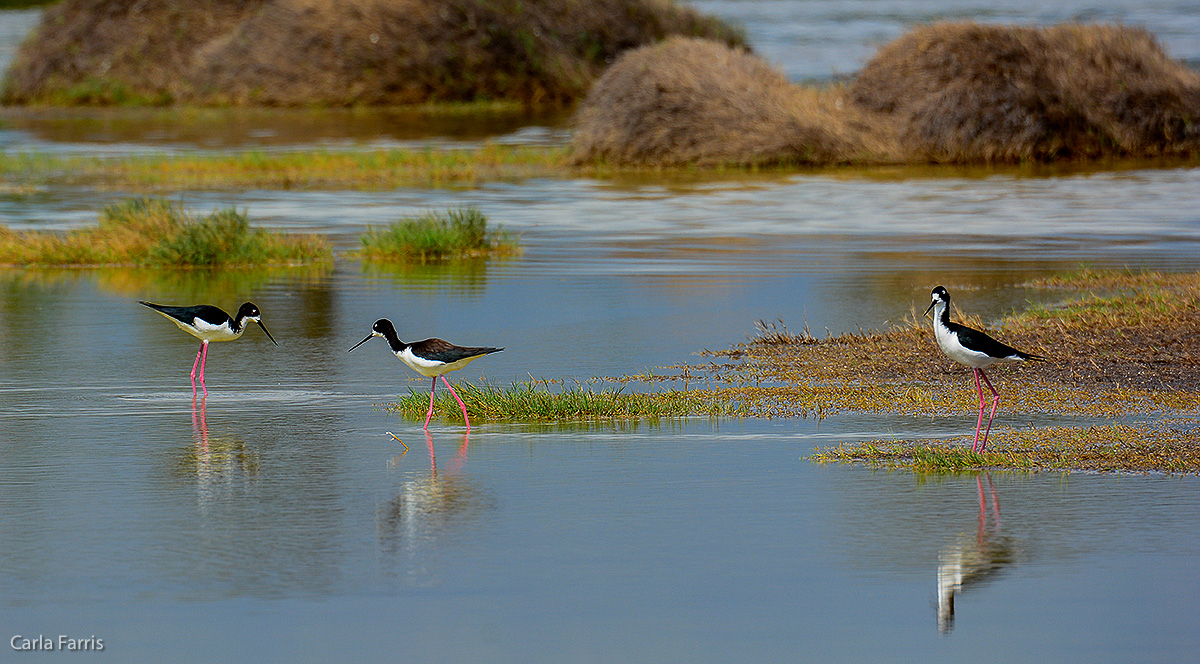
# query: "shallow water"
{"points": [[276, 519]]}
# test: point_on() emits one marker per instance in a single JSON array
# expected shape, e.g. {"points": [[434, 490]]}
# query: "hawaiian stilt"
{"points": [[430, 358], [208, 323], [974, 349]]}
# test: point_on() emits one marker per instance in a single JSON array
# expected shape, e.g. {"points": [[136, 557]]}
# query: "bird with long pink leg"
{"points": [[974, 349], [208, 323], [432, 358]]}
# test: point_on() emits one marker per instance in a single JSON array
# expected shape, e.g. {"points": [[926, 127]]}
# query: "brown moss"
{"points": [[693, 100], [953, 92], [970, 92], [328, 52]]}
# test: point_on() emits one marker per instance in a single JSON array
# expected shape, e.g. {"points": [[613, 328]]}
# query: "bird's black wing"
{"points": [[205, 312], [438, 350], [979, 341]]}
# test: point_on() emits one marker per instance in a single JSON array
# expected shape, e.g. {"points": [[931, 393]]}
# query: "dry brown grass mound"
{"points": [[968, 92], [693, 100], [335, 52], [956, 92]]}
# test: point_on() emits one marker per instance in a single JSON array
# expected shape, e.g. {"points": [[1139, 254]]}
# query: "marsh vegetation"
{"points": [[154, 232], [435, 235]]}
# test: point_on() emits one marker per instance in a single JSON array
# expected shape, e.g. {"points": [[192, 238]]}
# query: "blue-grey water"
{"points": [[276, 520]]}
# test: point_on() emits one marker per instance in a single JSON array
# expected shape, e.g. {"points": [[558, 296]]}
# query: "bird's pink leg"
{"points": [[430, 413], [975, 445], [194, 365], [460, 402], [203, 359], [995, 401]]}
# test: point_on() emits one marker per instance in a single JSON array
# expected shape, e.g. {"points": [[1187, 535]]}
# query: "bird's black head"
{"points": [[250, 312], [939, 294], [382, 328]]}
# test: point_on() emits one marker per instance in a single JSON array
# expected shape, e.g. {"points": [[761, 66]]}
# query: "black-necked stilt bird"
{"points": [[974, 349], [430, 358], [208, 323]]}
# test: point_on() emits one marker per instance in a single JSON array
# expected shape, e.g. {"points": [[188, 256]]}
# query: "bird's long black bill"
{"points": [[930, 307], [264, 328], [369, 336]]}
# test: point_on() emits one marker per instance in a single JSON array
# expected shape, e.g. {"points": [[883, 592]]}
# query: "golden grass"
{"points": [[152, 232]]}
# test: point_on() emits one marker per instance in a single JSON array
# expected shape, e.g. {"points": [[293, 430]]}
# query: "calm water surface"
{"points": [[275, 519]]}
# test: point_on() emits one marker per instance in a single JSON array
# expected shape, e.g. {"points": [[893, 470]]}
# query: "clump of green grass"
{"points": [[536, 402], [153, 232], [456, 233]]}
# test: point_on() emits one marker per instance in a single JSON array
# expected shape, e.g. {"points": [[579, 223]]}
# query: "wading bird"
{"points": [[208, 323], [430, 358], [974, 349]]}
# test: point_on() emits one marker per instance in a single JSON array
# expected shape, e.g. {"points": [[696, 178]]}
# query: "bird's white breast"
{"points": [[948, 341]]}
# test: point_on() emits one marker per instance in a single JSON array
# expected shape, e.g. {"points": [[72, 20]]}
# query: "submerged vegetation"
{"points": [[456, 233], [152, 232], [372, 169], [1171, 446]]}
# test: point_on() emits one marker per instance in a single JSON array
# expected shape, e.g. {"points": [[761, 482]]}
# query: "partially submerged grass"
{"points": [[309, 169], [535, 401], [456, 233], [1171, 446], [153, 232]]}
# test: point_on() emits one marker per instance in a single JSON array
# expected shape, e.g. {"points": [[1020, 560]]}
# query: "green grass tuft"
{"points": [[153, 232], [535, 402], [456, 233]]}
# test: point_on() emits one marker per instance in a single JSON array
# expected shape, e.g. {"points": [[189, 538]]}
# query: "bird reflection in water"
{"points": [[215, 461], [972, 560], [429, 505]]}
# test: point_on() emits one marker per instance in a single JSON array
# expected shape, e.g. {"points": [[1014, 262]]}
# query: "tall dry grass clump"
{"points": [[697, 101], [953, 92], [335, 52], [969, 92]]}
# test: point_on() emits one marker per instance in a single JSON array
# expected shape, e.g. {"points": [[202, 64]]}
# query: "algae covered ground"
{"points": [[1125, 348]]}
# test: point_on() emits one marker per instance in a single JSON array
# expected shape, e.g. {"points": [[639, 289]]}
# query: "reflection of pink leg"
{"points": [[979, 533], [460, 402], [995, 503], [432, 458], [992, 416], [430, 413], [461, 457]]}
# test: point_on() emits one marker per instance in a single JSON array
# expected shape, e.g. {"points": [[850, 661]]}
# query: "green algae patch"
{"points": [[152, 232]]}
